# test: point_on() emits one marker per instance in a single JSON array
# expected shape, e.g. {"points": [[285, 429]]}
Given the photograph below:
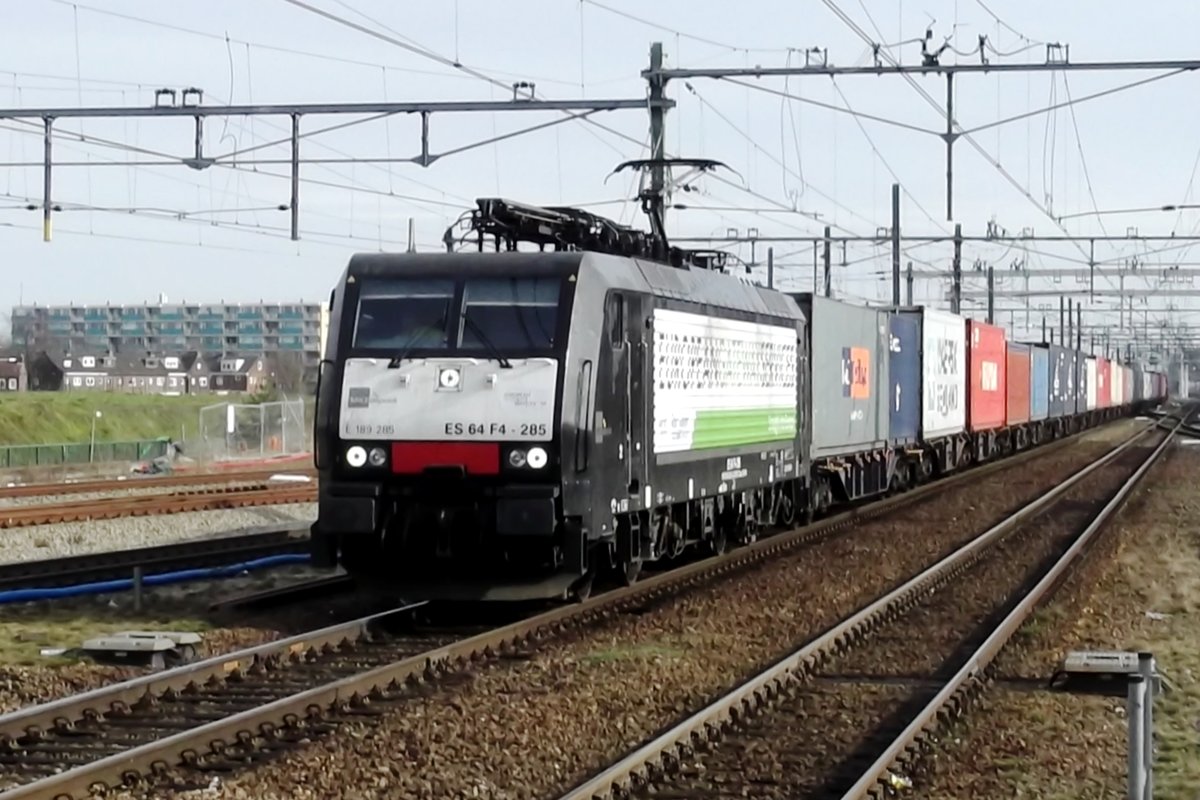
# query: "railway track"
{"points": [[849, 714], [219, 713], [201, 499], [52, 489], [207, 552]]}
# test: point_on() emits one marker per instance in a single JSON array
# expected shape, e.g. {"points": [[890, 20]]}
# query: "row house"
{"points": [[13, 376], [149, 373]]}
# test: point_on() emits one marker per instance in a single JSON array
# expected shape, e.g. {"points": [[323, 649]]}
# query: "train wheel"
{"points": [[719, 543], [785, 508], [629, 571], [582, 589]]}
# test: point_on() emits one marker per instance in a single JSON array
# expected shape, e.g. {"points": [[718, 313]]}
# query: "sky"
{"points": [[131, 231]]}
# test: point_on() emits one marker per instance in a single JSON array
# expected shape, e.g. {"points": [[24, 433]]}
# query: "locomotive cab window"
{"points": [[403, 313], [510, 313]]}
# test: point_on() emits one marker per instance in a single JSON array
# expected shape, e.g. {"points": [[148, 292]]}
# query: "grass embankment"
{"points": [[64, 418]]}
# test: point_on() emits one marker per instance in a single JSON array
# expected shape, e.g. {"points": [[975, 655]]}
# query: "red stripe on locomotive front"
{"points": [[412, 458]]}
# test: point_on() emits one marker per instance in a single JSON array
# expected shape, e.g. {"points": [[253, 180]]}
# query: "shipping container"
{"points": [[1039, 382], [1103, 382], [1139, 385], [848, 347], [1062, 381], [1127, 387], [904, 375], [943, 373], [1116, 384], [1017, 384], [1084, 380], [987, 394], [1091, 376]]}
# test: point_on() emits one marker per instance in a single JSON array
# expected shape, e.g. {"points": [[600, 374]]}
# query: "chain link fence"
{"points": [[242, 430]]}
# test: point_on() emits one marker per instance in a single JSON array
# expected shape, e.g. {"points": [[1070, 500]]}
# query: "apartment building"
{"points": [[245, 328]]}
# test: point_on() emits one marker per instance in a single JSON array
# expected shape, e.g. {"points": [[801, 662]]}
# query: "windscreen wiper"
{"points": [[486, 342], [412, 343]]}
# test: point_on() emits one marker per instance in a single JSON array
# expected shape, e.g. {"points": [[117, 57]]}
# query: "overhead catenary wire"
{"points": [[292, 50], [946, 115], [681, 34], [426, 52]]}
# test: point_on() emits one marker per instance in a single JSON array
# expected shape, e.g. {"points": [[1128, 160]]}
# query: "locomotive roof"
{"points": [[698, 285], [504, 263]]}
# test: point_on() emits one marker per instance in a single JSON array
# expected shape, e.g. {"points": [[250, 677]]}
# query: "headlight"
{"points": [[377, 457], [356, 456], [516, 458], [449, 378], [537, 457]]}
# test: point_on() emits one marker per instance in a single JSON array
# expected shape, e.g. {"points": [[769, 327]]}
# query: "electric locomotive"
{"points": [[506, 425]]}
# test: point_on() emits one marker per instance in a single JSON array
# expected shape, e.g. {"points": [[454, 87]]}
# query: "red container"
{"points": [[987, 393], [1017, 384], [1103, 382]]}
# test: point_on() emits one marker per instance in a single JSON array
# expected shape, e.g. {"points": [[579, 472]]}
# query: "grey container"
{"points": [[848, 376], [1062, 381]]}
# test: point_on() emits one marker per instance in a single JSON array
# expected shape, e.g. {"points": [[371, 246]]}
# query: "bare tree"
{"points": [[287, 372]]}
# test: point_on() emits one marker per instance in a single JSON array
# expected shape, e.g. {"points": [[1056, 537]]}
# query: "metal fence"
{"points": [[240, 430], [49, 455]]}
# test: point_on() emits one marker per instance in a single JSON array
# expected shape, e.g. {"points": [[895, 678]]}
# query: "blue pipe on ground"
{"points": [[125, 584]]}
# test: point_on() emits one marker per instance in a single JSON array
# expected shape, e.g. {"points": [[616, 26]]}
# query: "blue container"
{"points": [[1039, 382], [1062, 381], [904, 373]]}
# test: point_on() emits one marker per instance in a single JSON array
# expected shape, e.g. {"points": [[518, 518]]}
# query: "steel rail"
{"points": [[156, 504], [51, 488], [974, 671], [665, 750], [67, 711], [208, 551], [274, 719]]}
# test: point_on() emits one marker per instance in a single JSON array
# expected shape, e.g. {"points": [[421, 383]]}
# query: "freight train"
{"points": [[506, 425]]}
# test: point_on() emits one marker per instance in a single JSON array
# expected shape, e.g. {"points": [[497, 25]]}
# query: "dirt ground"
{"points": [[1139, 590]]}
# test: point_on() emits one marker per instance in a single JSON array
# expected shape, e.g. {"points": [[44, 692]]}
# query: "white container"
{"points": [[943, 374], [1091, 383]]}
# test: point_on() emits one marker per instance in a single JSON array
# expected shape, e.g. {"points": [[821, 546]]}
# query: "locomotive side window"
{"points": [[510, 313], [403, 313], [616, 320]]}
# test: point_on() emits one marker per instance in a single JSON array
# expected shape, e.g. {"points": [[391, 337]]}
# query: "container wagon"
{"points": [[1019, 401], [847, 401], [1103, 382], [904, 377], [943, 392], [1085, 381], [986, 387], [1039, 383], [1061, 405], [1091, 378]]}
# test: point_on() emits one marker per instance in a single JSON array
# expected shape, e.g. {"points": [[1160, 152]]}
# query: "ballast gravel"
{"points": [[1139, 588], [533, 727], [817, 742], [98, 536]]}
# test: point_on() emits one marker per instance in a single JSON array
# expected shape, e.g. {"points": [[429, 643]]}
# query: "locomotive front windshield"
{"points": [[476, 314]]}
